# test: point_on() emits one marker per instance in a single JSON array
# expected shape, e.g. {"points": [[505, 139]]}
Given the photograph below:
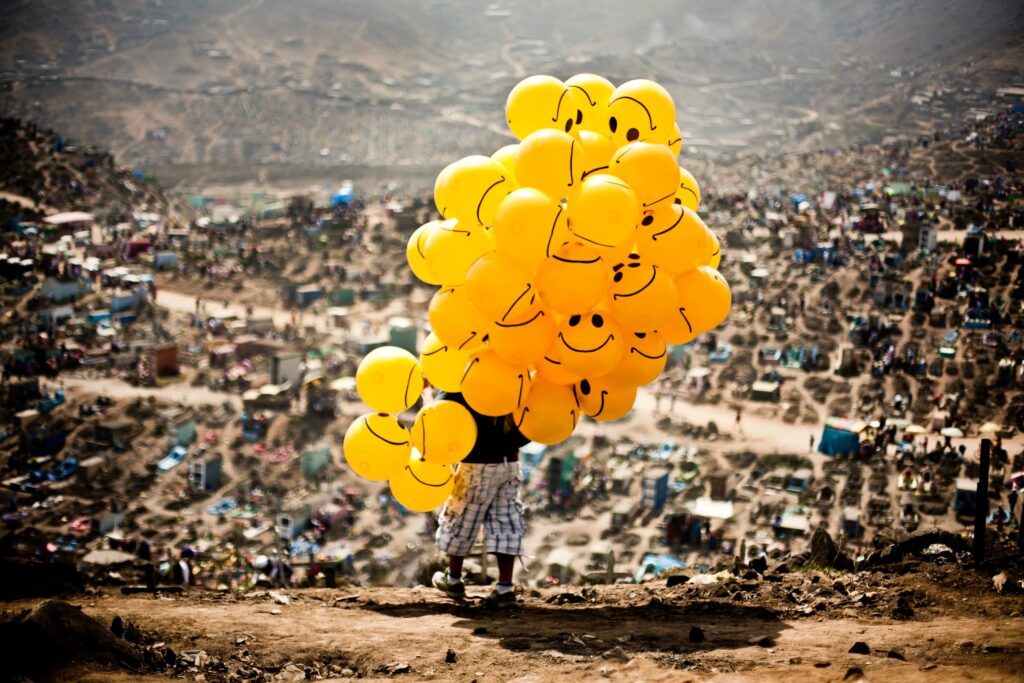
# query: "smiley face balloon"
{"points": [[650, 169], [550, 368], [589, 344], [416, 256], [597, 152], [675, 240], [451, 247], [591, 93], [492, 386], [506, 156], [642, 362], [455, 320], [389, 379], [605, 400], [688, 193], [500, 288], [422, 486], [640, 297], [523, 342], [442, 364], [703, 304], [574, 278], [376, 446], [473, 189], [444, 432], [675, 141], [605, 212], [551, 161], [640, 110], [550, 413], [538, 103], [530, 226]]}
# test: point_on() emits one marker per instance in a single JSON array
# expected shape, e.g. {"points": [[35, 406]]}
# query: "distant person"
{"points": [[486, 492], [182, 569], [810, 444]]}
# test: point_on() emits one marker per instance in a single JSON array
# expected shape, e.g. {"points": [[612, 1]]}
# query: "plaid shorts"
{"points": [[488, 495]]}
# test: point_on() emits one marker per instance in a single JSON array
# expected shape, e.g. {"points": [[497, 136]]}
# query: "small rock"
{"points": [[616, 654], [796, 660], [275, 611], [565, 599], [696, 634], [450, 657], [929, 667], [992, 648], [750, 575], [854, 672], [965, 645], [895, 654], [860, 648], [398, 668], [761, 641], [280, 598]]}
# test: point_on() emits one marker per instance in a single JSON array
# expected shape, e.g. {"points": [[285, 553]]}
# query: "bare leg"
{"points": [[506, 564], [455, 565]]}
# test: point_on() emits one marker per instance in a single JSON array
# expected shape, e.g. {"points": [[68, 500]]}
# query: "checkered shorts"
{"points": [[488, 495]]}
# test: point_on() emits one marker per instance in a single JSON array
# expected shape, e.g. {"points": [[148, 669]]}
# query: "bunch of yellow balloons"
{"points": [[416, 462], [568, 261]]}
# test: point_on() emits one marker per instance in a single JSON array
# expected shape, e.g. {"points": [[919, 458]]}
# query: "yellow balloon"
{"points": [[506, 156], [389, 379], [442, 364], [529, 227], [640, 298], [455, 320], [444, 432], [604, 400], [501, 289], [591, 94], [716, 252], [492, 386], [675, 141], [597, 150], [640, 110], [473, 188], [451, 248], [551, 161], [650, 169], [574, 279], [550, 368], [605, 213], [416, 256], [550, 413], [376, 446], [674, 239], [688, 193], [523, 342], [642, 362], [703, 304], [539, 103], [589, 344], [422, 486], [440, 190]]}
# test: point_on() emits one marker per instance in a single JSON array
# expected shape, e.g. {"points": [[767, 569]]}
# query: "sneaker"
{"points": [[455, 590], [499, 599]]}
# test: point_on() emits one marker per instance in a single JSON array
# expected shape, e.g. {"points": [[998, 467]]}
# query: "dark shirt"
{"points": [[497, 438]]}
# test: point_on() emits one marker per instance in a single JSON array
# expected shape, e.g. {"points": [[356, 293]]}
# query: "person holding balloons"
{"points": [[486, 493]]}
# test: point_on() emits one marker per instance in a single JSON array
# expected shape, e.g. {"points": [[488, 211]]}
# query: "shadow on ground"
{"points": [[590, 629]]}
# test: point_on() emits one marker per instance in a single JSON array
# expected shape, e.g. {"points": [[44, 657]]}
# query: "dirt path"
{"points": [[622, 635]]}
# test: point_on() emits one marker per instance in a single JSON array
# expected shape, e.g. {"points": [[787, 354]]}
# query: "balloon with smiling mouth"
{"points": [[492, 386], [650, 169], [553, 162], [605, 400], [451, 248], [389, 379], [416, 255], [376, 446], [473, 188], [640, 297], [642, 362], [422, 486], [589, 344], [444, 432], [573, 279], [443, 364], [674, 239], [550, 413]]}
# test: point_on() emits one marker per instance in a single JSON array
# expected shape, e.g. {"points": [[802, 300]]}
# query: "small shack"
{"points": [[204, 474], [841, 436], [766, 391]]}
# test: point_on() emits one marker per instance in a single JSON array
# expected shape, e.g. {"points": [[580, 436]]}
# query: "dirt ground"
{"points": [[960, 629]]}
